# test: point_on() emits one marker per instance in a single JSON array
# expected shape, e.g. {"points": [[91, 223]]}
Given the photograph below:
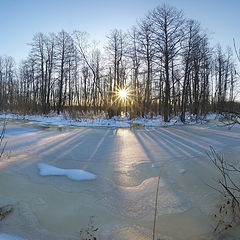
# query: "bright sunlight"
{"points": [[122, 93]]}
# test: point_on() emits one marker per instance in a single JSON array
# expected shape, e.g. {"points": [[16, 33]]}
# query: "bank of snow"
{"points": [[159, 122], [101, 121], [62, 121], [73, 174]]}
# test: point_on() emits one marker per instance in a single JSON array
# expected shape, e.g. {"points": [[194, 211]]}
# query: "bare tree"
{"points": [[147, 53], [64, 44], [191, 43], [168, 31], [117, 49], [90, 56]]}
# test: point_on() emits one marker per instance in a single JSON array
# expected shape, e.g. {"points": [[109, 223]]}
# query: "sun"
{"points": [[123, 94]]}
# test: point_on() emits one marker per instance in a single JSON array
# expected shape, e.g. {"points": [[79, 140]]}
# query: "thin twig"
{"points": [[155, 212], [2, 145]]}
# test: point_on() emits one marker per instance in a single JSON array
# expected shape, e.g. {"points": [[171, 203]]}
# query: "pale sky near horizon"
{"points": [[21, 19]]}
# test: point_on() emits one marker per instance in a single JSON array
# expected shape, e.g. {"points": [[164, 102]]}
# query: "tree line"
{"points": [[165, 62]]}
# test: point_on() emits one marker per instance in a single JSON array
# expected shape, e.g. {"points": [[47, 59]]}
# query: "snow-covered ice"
{"points": [[73, 174]]}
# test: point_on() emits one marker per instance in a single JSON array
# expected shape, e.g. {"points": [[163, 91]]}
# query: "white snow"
{"points": [[61, 121], [159, 122], [4, 236], [102, 121], [73, 174]]}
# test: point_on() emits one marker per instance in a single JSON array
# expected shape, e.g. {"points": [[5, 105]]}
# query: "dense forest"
{"points": [[165, 63]]}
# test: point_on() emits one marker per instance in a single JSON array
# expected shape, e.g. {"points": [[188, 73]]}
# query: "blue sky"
{"points": [[20, 19]]}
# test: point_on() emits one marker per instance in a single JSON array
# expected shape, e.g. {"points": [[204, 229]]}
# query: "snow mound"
{"points": [[73, 174], [4, 236]]}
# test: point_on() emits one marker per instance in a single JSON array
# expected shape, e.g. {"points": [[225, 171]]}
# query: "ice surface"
{"points": [[127, 163], [73, 174], [4, 236]]}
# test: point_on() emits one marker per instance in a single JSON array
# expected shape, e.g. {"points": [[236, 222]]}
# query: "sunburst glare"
{"points": [[123, 94]]}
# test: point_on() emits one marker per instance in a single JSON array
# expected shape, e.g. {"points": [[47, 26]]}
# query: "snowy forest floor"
{"points": [[126, 163]]}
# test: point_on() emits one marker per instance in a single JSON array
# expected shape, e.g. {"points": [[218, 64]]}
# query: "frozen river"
{"points": [[127, 163]]}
